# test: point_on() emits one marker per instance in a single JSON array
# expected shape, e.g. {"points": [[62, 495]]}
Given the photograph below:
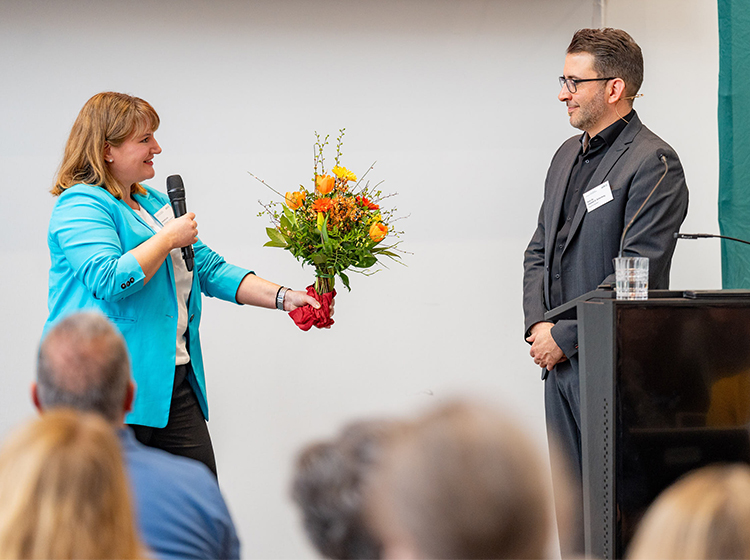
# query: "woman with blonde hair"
{"points": [[704, 515], [115, 246], [64, 492]]}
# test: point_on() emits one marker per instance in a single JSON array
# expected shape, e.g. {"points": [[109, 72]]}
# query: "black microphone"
{"points": [[663, 157], [176, 192], [678, 235]]}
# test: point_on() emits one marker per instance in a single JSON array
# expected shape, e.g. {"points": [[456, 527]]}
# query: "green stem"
{"points": [[324, 284]]}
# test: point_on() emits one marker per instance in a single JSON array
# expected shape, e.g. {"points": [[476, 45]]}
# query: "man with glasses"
{"points": [[596, 183]]}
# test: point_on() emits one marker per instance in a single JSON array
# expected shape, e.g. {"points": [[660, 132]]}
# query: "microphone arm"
{"points": [[678, 235]]}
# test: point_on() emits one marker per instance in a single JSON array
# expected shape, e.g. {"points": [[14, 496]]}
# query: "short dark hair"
{"points": [[83, 364], [615, 54], [329, 487]]}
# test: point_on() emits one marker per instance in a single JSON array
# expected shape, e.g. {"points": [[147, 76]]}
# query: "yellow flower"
{"points": [[344, 174]]}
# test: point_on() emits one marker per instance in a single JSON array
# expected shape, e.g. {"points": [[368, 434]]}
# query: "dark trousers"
{"points": [[562, 403], [186, 432]]}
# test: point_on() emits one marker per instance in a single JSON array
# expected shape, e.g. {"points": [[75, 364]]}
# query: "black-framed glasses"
{"points": [[572, 83]]}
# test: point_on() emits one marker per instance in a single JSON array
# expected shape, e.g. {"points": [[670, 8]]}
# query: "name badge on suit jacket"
{"points": [[598, 196]]}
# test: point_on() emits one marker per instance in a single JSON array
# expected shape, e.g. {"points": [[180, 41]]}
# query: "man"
{"points": [[595, 185], [83, 364]]}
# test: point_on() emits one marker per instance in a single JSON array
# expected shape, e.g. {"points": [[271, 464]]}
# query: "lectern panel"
{"points": [[682, 385]]}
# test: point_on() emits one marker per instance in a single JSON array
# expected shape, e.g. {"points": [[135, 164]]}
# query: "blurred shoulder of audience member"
{"points": [[328, 487], [705, 514], [462, 481], [64, 492]]}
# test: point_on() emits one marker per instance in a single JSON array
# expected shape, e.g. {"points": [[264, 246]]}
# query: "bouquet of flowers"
{"points": [[336, 226]]}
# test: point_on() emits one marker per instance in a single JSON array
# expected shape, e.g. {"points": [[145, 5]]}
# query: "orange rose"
{"points": [[322, 205], [294, 199], [378, 231], [324, 183]]}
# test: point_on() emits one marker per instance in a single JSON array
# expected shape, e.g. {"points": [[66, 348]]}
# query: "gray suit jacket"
{"points": [[632, 167]]}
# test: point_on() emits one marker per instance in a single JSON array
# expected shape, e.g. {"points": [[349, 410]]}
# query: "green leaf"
{"points": [[345, 280], [275, 244], [390, 254], [276, 237], [324, 233], [289, 215], [366, 261]]}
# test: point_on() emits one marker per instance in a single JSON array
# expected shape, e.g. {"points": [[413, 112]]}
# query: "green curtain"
{"points": [[734, 140]]}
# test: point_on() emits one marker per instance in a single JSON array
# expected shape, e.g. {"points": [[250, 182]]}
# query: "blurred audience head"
{"points": [[462, 482], [328, 487], [63, 491], [83, 364], [704, 515]]}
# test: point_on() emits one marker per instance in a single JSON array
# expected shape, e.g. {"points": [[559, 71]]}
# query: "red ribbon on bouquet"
{"points": [[307, 316]]}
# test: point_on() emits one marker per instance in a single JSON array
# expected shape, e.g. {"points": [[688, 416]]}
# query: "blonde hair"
{"points": [[106, 118], [462, 482], [64, 492], [704, 515]]}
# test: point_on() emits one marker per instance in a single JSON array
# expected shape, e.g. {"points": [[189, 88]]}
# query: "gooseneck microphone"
{"points": [[663, 159], [678, 235], [176, 192]]}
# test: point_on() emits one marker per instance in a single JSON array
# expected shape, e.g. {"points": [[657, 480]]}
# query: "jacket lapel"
{"points": [[620, 146], [557, 195]]}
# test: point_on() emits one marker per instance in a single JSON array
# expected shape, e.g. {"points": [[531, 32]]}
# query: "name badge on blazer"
{"points": [[165, 215], [598, 196]]}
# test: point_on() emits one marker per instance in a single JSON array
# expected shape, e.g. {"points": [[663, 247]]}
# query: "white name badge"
{"points": [[598, 196], [165, 214]]}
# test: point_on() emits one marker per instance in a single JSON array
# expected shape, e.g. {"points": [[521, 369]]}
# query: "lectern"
{"points": [[665, 388]]}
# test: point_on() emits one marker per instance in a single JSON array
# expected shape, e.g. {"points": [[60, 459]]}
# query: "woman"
{"points": [[704, 515], [63, 491], [115, 246]]}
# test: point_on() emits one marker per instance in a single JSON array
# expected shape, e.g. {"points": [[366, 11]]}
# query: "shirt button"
{"points": [[585, 161], [568, 219], [123, 286], [559, 246], [557, 276]]}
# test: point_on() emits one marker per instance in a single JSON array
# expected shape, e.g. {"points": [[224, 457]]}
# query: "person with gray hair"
{"points": [[83, 364], [329, 485]]}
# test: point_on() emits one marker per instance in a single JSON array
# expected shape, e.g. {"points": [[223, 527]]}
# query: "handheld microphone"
{"points": [[662, 156], [176, 192]]}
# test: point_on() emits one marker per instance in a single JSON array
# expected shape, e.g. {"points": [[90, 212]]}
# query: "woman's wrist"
{"points": [[280, 297]]}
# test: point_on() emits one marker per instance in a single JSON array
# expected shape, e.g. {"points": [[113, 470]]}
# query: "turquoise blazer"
{"points": [[90, 234]]}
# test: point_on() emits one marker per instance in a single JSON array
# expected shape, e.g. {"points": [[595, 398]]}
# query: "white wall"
{"points": [[456, 100]]}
